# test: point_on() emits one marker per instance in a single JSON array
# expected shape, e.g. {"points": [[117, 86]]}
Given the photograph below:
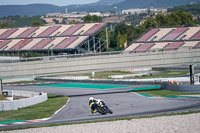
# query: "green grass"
{"points": [[42, 110], [102, 120], [98, 75], [165, 74], [25, 82], [105, 75], [165, 93]]}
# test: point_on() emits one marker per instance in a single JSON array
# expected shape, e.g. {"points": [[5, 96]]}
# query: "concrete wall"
{"points": [[101, 63], [184, 88], [34, 98]]}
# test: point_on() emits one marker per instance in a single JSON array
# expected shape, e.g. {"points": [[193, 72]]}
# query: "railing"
{"points": [[34, 98]]}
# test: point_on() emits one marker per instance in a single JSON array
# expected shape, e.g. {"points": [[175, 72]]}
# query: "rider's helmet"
{"points": [[91, 98]]}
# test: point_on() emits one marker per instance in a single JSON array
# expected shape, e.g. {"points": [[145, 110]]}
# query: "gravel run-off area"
{"points": [[166, 124]]}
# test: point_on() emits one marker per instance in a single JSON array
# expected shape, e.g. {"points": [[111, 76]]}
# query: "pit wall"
{"points": [[33, 98], [184, 88]]}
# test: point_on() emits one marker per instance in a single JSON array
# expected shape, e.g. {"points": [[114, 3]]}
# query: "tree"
{"points": [[36, 23], [92, 19], [4, 25]]}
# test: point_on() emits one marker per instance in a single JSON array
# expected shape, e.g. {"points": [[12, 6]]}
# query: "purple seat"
{"points": [[65, 43], [27, 32], [49, 31], [148, 35], [42, 43], [94, 28], [21, 44], [173, 46], [71, 30], [174, 34], [8, 33], [144, 47], [197, 36], [4, 43]]}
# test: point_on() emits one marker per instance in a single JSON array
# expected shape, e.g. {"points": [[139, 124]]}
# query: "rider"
{"points": [[93, 103]]}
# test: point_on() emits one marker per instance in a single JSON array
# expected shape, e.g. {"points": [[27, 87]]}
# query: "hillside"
{"points": [[153, 3], [102, 5], [108, 2], [29, 10]]}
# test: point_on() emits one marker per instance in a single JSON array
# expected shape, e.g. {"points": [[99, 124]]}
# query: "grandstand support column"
{"points": [[88, 43], [94, 43], [106, 37], [100, 45]]}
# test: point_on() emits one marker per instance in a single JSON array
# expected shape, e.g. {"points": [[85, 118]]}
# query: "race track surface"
{"points": [[122, 103]]}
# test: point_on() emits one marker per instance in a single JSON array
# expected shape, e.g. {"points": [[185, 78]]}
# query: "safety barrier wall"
{"points": [[34, 98], [185, 88], [101, 63]]}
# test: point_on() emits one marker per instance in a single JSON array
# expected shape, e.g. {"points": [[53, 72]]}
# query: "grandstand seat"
{"points": [[173, 46], [38, 31], [158, 46], [144, 47], [71, 30], [79, 40], [189, 33], [4, 43], [197, 45], [94, 28], [85, 28], [42, 44], [65, 43], [18, 32], [190, 43], [131, 47], [196, 36], [2, 31], [149, 34], [49, 31], [11, 44], [8, 33], [21, 44], [27, 32], [174, 34], [160, 34]]}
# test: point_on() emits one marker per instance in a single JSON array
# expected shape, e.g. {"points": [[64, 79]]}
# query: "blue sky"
{"points": [[55, 2]]}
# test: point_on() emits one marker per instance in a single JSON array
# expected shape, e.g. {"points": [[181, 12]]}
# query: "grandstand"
{"points": [[75, 38], [166, 39]]}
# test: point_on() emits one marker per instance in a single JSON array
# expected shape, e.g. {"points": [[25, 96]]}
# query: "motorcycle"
{"points": [[102, 108]]}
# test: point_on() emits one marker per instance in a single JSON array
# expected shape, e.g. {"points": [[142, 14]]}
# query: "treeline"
{"points": [[18, 21], [123, 32], [194, 9]]}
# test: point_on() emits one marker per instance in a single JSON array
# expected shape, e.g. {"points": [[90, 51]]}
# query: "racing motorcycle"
{"points": [[102, 108]]}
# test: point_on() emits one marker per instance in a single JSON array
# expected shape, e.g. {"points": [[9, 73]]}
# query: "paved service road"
{"points": [[119, 100]]}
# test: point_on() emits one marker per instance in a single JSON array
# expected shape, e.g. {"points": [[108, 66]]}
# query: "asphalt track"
{"points": [[122, 103]]}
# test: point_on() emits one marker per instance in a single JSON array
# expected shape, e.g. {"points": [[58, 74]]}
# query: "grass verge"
{"points": [[165, 93], [98, 75], [42, 110], [103, 120], [25, 82], [166, 74]]}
